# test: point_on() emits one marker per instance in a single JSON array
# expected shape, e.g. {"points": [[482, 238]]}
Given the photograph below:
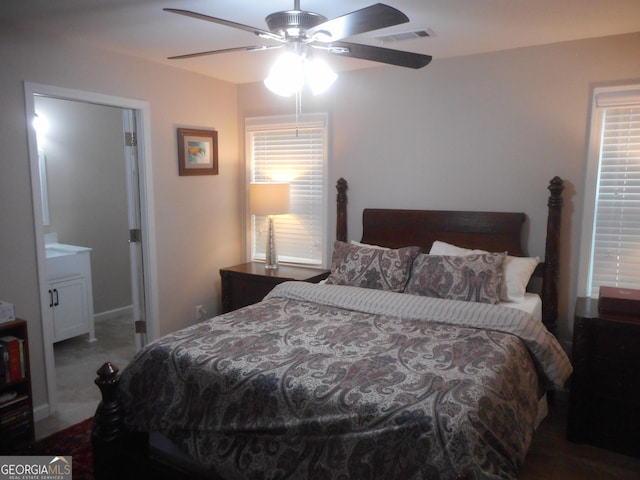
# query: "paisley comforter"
{"points": [[334, 382]]}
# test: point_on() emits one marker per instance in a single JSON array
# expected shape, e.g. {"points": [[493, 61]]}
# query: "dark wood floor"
{"points": [[553, 457]]}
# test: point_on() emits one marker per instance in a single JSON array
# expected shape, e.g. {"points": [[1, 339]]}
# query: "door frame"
{"points": [[147, 224], [136, 250]]}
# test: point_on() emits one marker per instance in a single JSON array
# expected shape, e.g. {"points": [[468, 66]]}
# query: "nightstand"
{"points": [[604, 401], [248, 283]]}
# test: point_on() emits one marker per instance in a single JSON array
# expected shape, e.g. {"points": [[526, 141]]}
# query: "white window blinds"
{"points": [[615, 252], [283, 150]]}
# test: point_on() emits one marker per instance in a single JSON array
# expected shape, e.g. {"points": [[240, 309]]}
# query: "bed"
{"points": [[409, 362]]}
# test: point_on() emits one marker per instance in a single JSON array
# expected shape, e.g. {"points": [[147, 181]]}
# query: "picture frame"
{"points": [[197, 152]]}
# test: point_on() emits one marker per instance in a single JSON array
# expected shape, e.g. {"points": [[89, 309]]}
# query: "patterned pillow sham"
{"points": [[472, 278], [517, 271], [368, 267]]}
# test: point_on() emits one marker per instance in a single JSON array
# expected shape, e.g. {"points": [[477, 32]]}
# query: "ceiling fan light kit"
{"points": [[297, 30], [286, 76], [319, 75], [291, 71]]}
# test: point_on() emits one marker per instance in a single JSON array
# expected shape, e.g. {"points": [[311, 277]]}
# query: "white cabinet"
{"points": [[70, 291]]}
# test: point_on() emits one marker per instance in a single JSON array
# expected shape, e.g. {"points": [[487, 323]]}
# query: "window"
{"points": [[610, 254], [283, 149]]}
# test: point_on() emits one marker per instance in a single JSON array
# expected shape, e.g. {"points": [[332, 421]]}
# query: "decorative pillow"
{"points": [[368, 267], [517, 270], [472, 278]]}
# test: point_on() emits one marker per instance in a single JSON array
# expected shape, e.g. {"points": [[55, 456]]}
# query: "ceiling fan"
{"points": [[298, 29]]}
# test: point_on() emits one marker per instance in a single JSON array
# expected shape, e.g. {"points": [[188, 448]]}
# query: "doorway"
{"points": [[92, 190]]}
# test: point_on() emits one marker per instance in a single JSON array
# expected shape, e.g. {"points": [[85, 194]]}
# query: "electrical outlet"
{"points": [[198, 313]]}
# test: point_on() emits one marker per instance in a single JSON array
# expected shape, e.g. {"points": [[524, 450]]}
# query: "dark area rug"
{"points": [[74, 441]]}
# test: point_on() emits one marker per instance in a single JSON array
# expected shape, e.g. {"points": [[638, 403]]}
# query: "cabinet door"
{"points": [[70, 310]]}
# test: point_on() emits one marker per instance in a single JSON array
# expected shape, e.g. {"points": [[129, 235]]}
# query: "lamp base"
{"points": [[271, 258]]}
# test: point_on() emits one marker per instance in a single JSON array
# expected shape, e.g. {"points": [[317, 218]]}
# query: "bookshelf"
{"points": [[16, 403]]}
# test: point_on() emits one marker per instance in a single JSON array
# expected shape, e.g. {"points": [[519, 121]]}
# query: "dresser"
{"points": [[248, 283], [604, 400]]}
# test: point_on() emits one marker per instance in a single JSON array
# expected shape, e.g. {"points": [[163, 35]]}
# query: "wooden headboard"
{"points": [[491, 231]]}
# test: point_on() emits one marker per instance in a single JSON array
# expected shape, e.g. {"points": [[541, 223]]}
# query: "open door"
{"points": [[140, 221], [135, 231]]}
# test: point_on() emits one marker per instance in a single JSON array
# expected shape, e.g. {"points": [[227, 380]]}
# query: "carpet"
{"points": [[74, 441]]}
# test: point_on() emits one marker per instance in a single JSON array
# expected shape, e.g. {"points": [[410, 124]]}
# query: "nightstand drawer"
{"points": [[248, 283], [620, 343], [246, 290], [616, 378], [614, 424]]}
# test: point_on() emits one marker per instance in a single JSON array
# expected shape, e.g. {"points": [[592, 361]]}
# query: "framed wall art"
{"points": [[197, 152]]}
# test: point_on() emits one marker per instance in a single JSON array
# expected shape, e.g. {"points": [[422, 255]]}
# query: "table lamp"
{"points": [[269, 199]]}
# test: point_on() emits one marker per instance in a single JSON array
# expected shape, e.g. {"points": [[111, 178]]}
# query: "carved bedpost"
{"points": [[341, 204], [107, 419], [552, 256], [106, 422], [117, 453]]}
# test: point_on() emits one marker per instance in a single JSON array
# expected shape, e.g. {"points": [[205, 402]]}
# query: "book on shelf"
{"points": [[15, 417], [3, 373], [13, 357], [18, 431], [23, 365]]}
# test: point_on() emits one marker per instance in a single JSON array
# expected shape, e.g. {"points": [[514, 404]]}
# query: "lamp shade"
{"points": [[269, 198]]}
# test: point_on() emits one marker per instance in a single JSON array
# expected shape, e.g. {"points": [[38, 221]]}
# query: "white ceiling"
{"points": [[461, 27]]}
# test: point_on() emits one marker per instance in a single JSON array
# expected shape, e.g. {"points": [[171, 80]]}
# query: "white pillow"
{"points": [[360, 244], [517, 270]]}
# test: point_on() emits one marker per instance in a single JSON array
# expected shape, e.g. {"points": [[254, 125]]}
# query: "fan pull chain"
{"points": [[298, 108]]}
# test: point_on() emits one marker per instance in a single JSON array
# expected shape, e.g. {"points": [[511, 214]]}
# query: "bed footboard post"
{"points": [[106, 422], [107, 419], [116, 453], [552, 256], [341, 204]]}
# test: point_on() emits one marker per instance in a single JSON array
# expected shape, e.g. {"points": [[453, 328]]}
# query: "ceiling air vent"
{"points": [[400, 36]]}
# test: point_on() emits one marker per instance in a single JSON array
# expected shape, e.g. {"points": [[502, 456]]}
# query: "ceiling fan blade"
{"points": [[226, 50], [378, 54], [256, 31], [364, 20]]}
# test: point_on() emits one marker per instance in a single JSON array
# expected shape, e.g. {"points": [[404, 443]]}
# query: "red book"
{"points": [[12, 345]]}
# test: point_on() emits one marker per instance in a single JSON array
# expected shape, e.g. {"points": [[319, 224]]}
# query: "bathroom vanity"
{"points": [[70, 289]]}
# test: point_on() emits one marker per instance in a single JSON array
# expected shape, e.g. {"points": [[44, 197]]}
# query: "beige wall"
{"points": [[198, 220], [483, 132]]}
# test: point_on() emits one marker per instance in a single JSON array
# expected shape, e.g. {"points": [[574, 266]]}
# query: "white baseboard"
{"points": [[116, 312], [40, 412]]}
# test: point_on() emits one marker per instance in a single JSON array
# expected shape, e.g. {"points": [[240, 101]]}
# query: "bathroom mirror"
{"points": [[42, 163]]}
